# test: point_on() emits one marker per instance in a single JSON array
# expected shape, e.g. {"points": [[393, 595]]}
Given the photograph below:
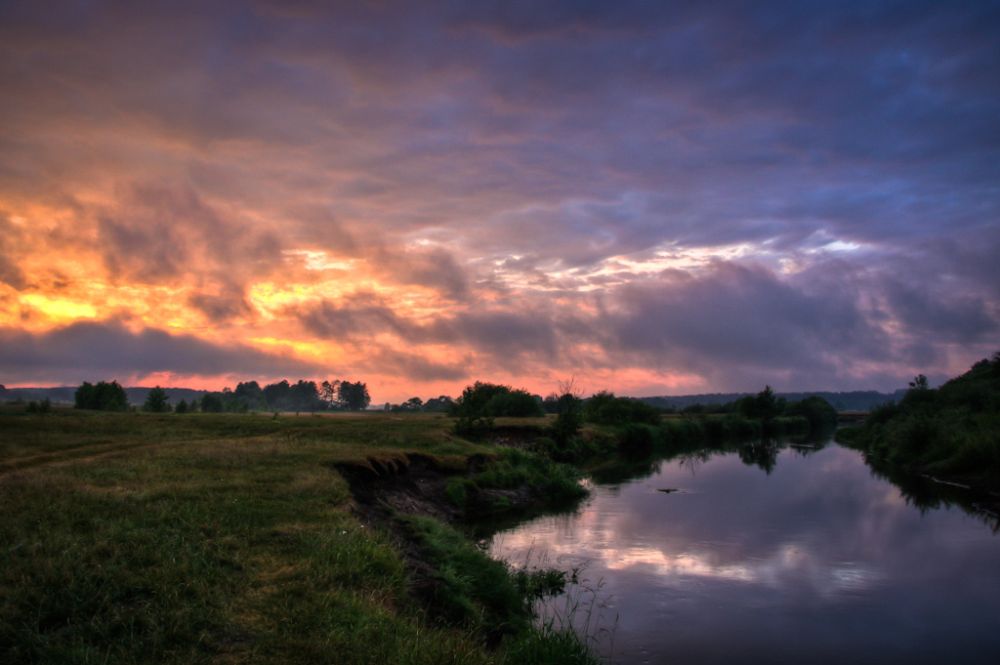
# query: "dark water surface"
{"points": [[818, 561]]}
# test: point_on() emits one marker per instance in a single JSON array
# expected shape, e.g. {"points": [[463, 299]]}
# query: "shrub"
{"points": [[605, 409]]}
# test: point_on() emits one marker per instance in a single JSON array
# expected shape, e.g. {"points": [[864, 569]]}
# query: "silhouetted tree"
{"points": [[181, 407], [763, 406], [919, 382], [103, 396], [305, 396], [249, 396], [157, 401], [353, 396], [569, 408], [278, 396], [606, 409], [328, 392], [441, 404], [212, 403]]}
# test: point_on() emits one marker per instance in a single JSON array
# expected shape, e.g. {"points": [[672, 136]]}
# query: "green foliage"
{"points": [[468, 588], [249, 396], [604, 408], [353, 396], [533, 478], [157, 401], [514, 404], [103, 396], [950, 431], [484, 400], [763, 406], [816, 410], [211, 403], [638, 439], [569, 417], [236, 543], [457, 490]]}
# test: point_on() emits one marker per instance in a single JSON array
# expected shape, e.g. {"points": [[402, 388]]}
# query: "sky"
{"points": [[645, 197]]}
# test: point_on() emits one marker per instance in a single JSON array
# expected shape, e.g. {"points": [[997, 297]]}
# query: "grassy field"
{"points": [[140, 538]]}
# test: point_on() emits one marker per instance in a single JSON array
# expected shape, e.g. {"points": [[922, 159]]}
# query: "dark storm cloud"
{"points": [[503, 333], [742, 318], [414, 367], [10, 273], [97, 350], [159, 233], [221, 307]]}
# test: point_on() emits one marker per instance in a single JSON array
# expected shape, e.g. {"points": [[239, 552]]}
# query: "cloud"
{"points": [[105, 350], [513, 179]]}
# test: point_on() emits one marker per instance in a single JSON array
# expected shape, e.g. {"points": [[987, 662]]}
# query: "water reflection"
{"points": [[816, 559]]}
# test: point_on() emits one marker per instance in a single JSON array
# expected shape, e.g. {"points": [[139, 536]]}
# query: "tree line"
{"points": [[332, 395]]}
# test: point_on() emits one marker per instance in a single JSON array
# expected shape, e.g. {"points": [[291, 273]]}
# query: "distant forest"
{"points": [[855, 400]]}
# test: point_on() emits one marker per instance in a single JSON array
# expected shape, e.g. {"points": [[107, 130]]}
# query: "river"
{"points": [[796, 555]]}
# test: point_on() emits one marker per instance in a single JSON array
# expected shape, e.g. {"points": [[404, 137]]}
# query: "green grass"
{"points": [[141, 538]]}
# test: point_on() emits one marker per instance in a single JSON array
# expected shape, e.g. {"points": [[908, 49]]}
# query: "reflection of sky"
{"points": [[818, 560]]}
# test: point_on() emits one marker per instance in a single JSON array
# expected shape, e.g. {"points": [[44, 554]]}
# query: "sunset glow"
{"points": [[653, 201]]}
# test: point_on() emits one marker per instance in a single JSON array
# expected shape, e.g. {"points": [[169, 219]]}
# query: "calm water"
{"points": [[818, 561]]}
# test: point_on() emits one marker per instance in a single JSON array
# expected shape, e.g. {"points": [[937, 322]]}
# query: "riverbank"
{"points": [[949, 436], [238, 537]]}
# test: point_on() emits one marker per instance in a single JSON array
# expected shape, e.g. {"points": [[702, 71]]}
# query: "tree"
{"points": [[211, 403], [329, 391], [157, 401], [305, 396], [181, 407], [353, 396], [919, 382], [278, 396], [569, 408], [103, 396], [249, 396], [412, 404], [763, 406], [441, 404], [607, 409]]}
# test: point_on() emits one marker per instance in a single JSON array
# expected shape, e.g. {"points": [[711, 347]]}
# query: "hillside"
{"points": [[951, 432], [64, 394], [855, 400]]}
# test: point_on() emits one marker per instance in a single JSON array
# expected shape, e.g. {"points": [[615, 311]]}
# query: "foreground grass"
{"points": [[135, 538]]}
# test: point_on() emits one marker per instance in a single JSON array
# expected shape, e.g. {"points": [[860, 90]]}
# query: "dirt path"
{"points": [[82, 453]]}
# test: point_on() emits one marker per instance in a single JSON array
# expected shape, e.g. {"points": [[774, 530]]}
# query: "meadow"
{"points": [[229, 538]]}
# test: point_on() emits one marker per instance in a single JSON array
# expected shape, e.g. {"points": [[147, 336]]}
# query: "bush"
{"points": [[816, 410], [604, 408], [637, 440]]}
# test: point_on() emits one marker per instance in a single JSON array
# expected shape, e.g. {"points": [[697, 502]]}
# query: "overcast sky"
{"points": [[648, 197]]}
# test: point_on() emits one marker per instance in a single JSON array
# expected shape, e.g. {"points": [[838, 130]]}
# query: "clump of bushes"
{"points": [[604, 408], [103, 396], [541, 480], [481, 402]]}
